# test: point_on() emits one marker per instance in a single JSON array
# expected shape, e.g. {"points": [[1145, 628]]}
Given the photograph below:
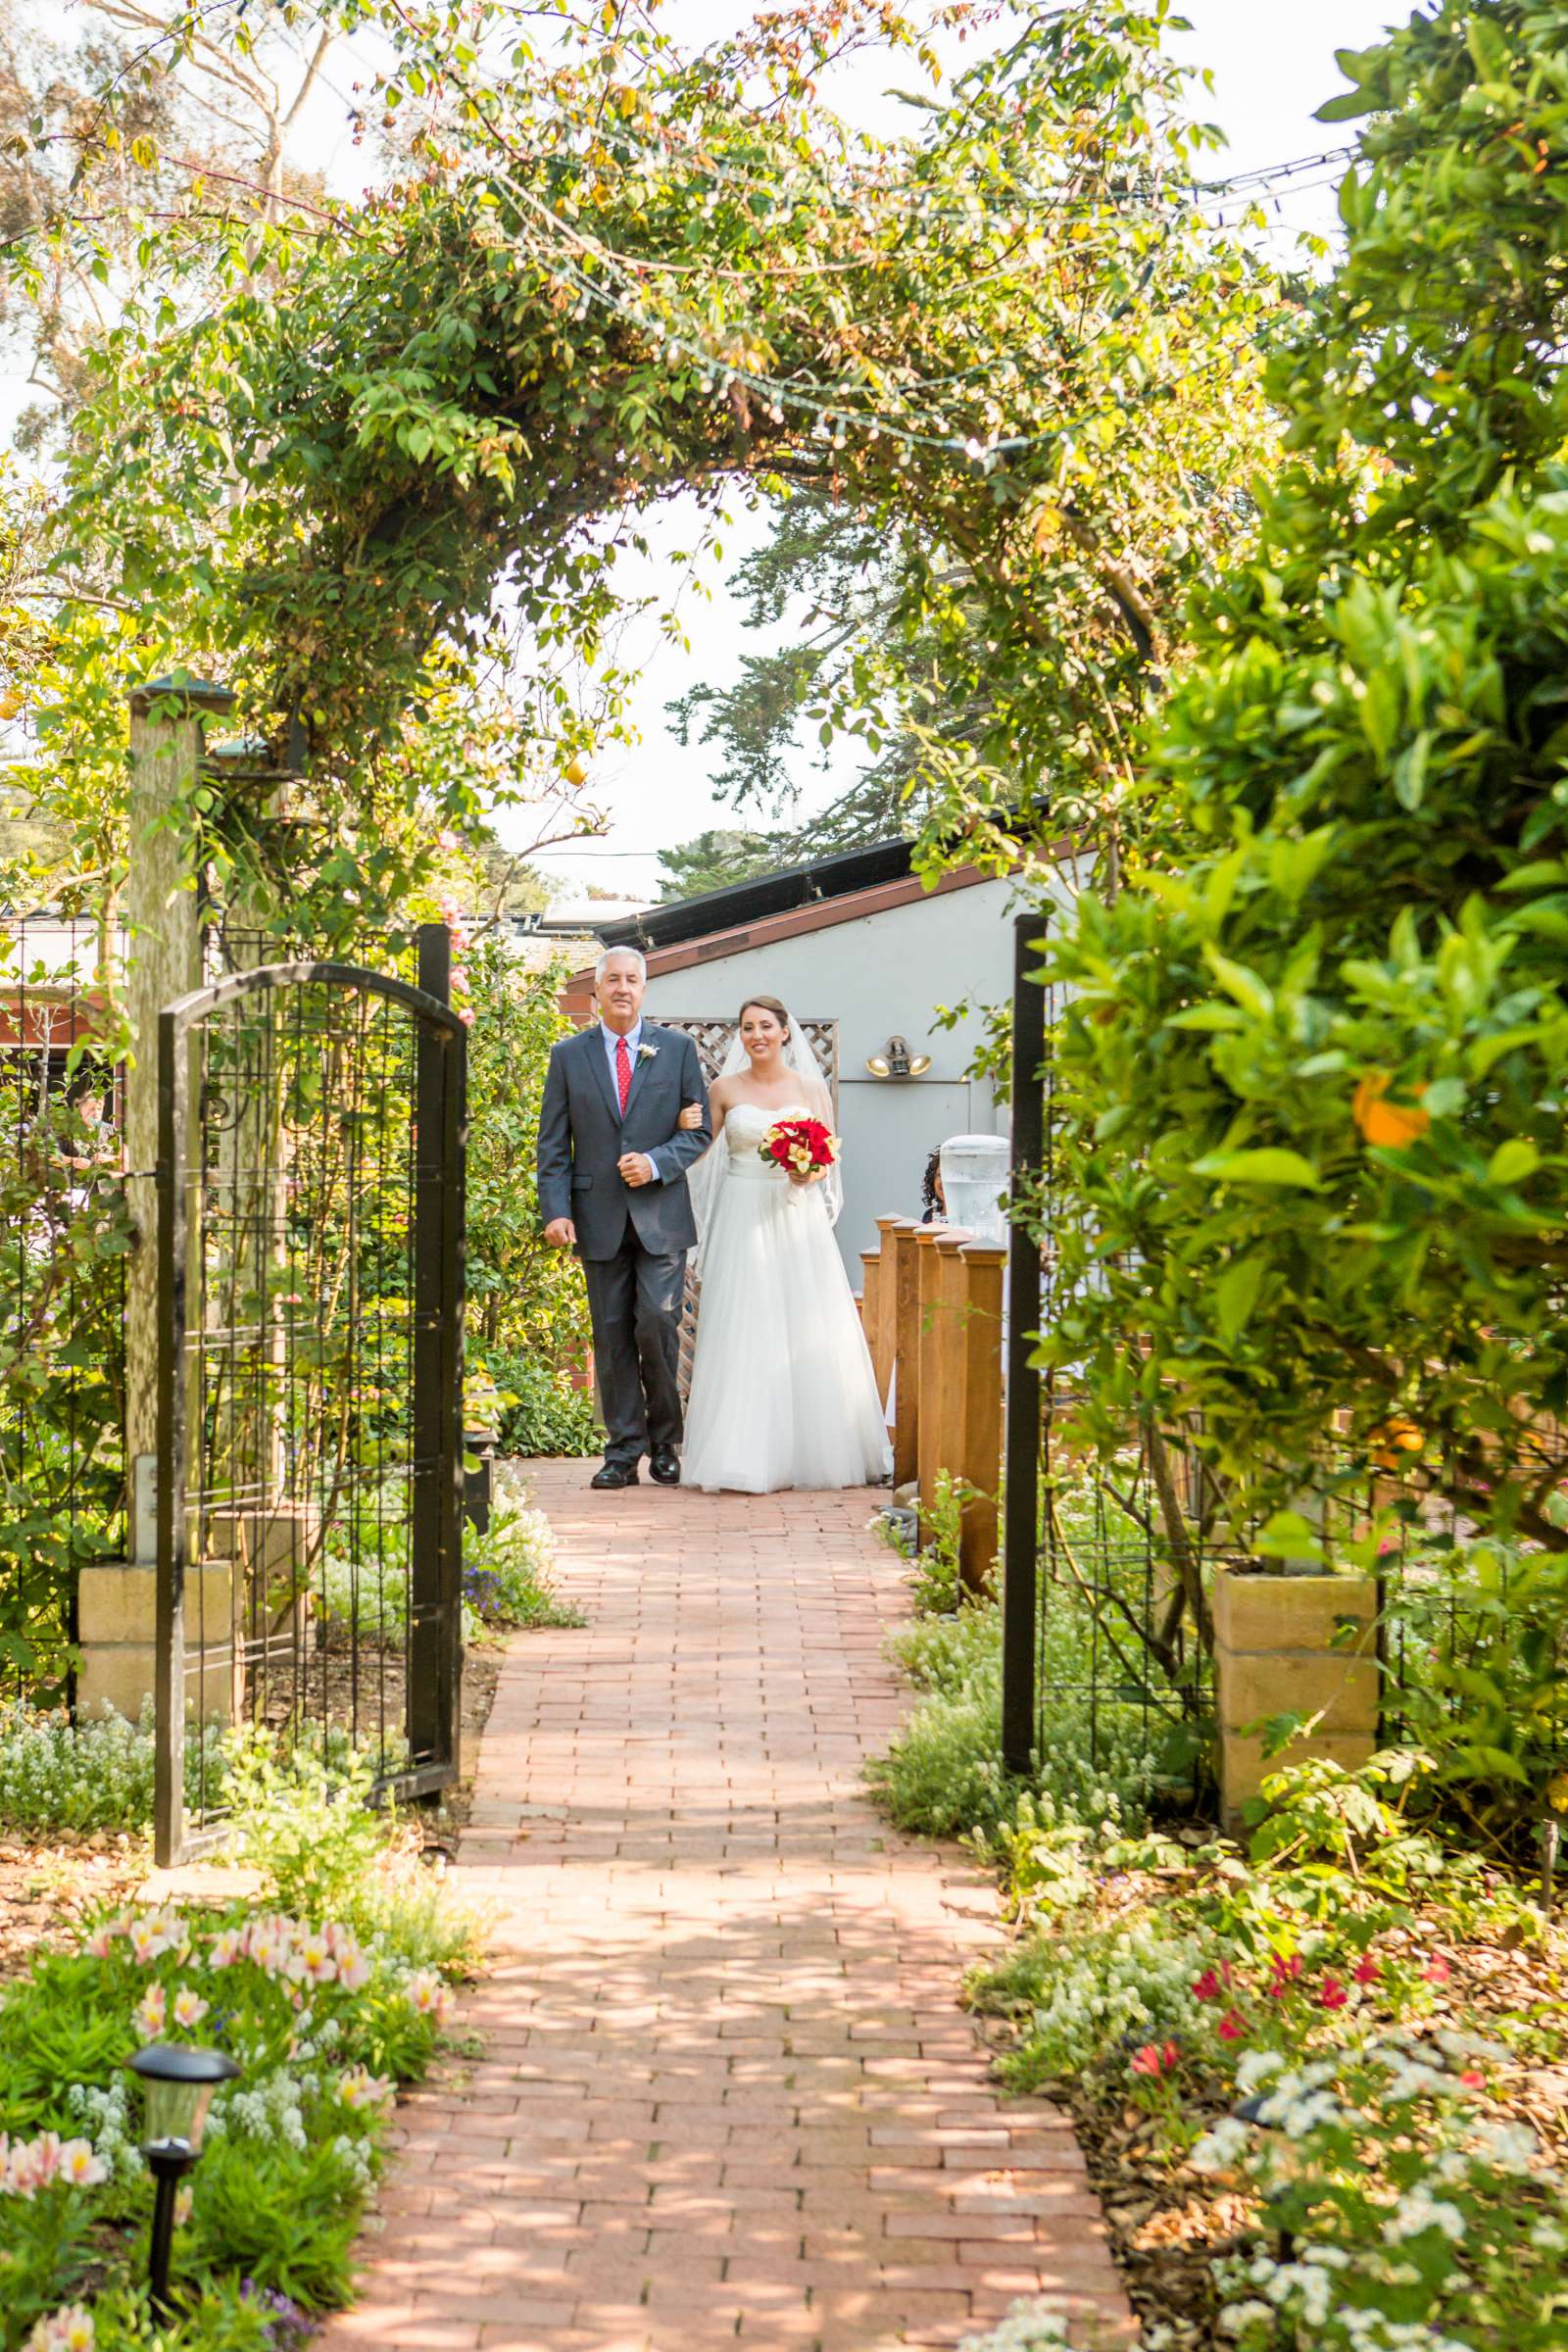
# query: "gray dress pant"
{"points": [[634, 1302]]}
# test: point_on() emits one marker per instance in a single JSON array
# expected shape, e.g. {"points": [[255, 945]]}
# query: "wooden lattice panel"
{"points": [[713, 1039]]}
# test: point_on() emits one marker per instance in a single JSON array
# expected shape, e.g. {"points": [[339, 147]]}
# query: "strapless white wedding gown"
{"points": [[783, 1393]]}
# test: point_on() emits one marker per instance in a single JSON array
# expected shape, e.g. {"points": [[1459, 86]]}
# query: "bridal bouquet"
{"points": [[799, 1147]]}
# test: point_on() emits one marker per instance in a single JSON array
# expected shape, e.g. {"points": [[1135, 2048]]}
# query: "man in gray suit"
{"points": [[614, 1152]]}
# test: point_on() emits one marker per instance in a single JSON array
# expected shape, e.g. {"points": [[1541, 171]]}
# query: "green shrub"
{"points": [[1099, 1755], [543, 1412], [507, 1572]]}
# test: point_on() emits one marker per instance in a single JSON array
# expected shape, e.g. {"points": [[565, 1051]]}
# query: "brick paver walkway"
{"points": [[727, 2094]]}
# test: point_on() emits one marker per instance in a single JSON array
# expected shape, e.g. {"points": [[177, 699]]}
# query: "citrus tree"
{"points": [[1310, 1086]]}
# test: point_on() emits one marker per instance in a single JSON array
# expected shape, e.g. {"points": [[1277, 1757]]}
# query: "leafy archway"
{"points": [[1021, 338]]}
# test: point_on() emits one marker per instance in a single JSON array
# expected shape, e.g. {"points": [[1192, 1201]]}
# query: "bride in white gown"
{"points": [[783, 1393]]}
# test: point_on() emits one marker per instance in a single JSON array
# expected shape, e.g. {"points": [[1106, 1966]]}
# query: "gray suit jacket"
{"points": [[582, 1135]]}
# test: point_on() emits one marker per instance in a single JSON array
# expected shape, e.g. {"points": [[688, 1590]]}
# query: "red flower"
{"points": [[1155, 2058], [1232, 2028], [1366, 1972], [1473, 2079], [1206, 1986], [1285, 1974], [800, 1145], [1437, 1970], [1331, 1994]]}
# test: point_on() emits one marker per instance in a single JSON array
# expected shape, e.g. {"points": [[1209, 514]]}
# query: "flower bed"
{"points": [[1321, 2090], [329, 1990]]}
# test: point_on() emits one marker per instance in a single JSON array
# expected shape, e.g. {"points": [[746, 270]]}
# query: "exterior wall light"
{"points": [[178, 2085], [897, 1061]]}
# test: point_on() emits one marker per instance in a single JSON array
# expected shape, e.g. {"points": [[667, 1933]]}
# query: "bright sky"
{"points": [[1272, 66]]}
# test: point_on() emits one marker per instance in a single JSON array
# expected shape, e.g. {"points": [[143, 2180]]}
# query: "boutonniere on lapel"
{"points": [[648, 1053]]}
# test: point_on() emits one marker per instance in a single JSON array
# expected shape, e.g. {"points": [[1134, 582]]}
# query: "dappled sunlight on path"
{"points": [[727, 2095]]}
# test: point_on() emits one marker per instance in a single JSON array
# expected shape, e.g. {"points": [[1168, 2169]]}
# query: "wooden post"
{"points": [[979, 1344], [163, 960], [117, 1601], [906, 1355], [928, 1440], [886, 1307], [870, 1283], [944, 1386]]}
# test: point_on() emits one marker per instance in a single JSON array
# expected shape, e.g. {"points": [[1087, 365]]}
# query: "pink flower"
{"points": [[1437, 1970], [1232, 2027], [32, 2164], [190, 2007], [228, 1945], [152, 2013], [81, 2164], [1473, 2079], [312, 1962], [352, 1971], [1331, 1994], [1155, 2058]]}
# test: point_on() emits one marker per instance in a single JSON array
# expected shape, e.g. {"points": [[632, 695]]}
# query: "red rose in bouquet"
{"points": [[799, 1146]]}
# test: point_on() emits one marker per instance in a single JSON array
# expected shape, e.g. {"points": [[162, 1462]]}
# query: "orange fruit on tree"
{"points": [[1391, 1124]]}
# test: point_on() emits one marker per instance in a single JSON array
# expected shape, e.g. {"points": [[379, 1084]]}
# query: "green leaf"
{"points": [[1236, 1295], [1270, 1164], [1512, 1162], [1348, 107]]}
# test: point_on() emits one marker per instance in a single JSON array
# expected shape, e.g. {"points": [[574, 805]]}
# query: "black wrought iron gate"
{"points": [[310, 1408]]}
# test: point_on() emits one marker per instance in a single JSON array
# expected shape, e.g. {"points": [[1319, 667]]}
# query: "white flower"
{"points": [[1418, 2210], [1549, 2237], [1511, 2148], [1220, 2149], [1242, 2316], [1256, 2066]]}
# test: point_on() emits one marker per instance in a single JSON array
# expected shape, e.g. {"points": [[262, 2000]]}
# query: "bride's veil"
{"points": [[705, 1178]]}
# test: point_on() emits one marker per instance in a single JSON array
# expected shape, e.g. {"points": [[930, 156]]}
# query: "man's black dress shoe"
{"points": [[663, 1464], [615, 1474]]}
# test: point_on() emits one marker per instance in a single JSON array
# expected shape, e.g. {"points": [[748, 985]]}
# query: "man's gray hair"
{"points": [[636, 954]]}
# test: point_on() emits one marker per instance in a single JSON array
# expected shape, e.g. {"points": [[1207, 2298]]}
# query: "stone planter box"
{"points": [[1298, 1645]]}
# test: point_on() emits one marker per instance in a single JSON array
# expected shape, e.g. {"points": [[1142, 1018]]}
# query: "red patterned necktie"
{"points": [[623, 1072]]}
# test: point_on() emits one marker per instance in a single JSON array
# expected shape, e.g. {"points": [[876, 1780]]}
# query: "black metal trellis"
{"points": [[1092, 1616], [62, 1293], [309, 1458]]}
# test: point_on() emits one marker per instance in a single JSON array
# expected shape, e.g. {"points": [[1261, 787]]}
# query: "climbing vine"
{"points": [[1020, 339]]}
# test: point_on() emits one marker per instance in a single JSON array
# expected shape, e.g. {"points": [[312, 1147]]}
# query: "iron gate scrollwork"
{"points": [[310, 1408]]}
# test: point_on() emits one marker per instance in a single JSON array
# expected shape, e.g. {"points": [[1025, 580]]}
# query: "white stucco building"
{"points": [[857, 939]]}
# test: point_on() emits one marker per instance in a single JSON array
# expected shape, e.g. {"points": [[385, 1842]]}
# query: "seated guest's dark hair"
{"points": [[930, 1198]]}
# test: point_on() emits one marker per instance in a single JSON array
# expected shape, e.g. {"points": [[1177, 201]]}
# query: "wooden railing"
{"points": [[932, 1309]]}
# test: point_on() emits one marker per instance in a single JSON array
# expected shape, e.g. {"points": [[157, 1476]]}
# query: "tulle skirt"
{"points": [[783, 1393]]}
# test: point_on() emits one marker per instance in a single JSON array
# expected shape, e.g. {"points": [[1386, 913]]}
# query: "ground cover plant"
{"points": [[1319, 2082], [329, 1988], [1111, 1758]]}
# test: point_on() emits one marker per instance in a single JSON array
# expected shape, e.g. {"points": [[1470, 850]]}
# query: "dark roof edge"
{"points": [[744, 902]]}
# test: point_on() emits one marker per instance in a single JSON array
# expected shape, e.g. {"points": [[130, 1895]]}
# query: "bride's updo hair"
{"points": [[764, 1005]]}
